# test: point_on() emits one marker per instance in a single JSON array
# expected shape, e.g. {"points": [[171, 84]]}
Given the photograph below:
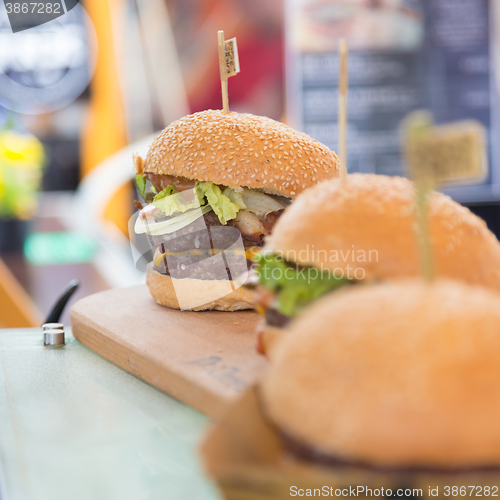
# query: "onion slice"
{"points": [[259, 203], [170, 225]]}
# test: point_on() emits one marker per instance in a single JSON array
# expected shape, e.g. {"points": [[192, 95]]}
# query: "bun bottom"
{"points": [[197, 295]]}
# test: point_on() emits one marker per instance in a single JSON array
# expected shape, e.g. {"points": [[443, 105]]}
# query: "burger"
{"points": [[400, 378], [339, 234], [213, 186]]}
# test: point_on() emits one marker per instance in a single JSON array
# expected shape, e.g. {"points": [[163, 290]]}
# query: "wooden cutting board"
{"points": [[204, 359]]}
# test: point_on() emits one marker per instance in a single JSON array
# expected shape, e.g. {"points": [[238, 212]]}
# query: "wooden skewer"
{"points": [[424, 243], [223, 72], [342, 118], [417, 129]]}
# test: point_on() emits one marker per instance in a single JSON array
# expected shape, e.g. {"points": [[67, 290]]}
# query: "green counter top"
{"points": [[74, 426]]}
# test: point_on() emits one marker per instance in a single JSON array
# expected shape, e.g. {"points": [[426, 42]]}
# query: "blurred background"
{"points": [[83, 92]]}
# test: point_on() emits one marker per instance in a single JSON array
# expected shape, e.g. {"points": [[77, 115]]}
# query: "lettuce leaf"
{"points": [[226, 205], [220, 203], [295, 286], [166, 192], [140, 181], [169, 201]]}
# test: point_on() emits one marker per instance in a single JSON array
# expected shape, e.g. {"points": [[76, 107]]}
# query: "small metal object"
{"points": [[58, 309], [53, 337], [52, 326]]}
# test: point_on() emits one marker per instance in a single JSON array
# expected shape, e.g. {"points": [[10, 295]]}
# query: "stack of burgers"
{"points": [[376, 378], [378, 381]]}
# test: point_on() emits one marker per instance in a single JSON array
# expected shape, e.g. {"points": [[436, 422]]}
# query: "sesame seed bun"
{"points": [[241, 150], [374, 215], [393, 375], [200, 295]]}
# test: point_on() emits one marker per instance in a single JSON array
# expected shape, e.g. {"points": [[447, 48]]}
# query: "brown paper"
{"points": [[245, 456]]}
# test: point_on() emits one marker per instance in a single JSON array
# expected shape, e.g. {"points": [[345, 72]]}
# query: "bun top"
{"points": [[393, 375], [368, 223], [241, 150]]}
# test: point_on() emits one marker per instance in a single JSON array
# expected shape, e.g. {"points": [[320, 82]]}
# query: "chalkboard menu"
{"points": [[442, 56]]}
